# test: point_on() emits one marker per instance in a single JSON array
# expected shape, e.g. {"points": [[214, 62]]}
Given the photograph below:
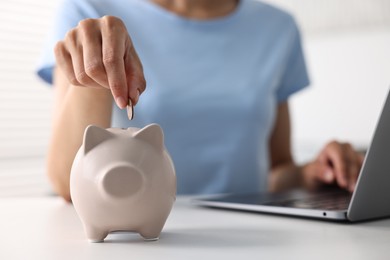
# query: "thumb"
{"points": [[136, 82], [326, 175]]}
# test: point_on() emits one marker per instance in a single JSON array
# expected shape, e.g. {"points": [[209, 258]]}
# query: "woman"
{"points": [[219, 75]]}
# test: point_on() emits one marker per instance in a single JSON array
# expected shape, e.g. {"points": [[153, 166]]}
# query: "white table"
{"points": [[49, 228]]}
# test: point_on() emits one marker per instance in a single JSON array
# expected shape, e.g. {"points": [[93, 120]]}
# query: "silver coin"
{"points": [[130, 110]]}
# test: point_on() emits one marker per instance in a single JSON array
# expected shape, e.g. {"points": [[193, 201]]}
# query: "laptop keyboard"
{"points": [[328, 202]]}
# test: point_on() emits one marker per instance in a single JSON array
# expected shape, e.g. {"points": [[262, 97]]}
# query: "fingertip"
{"points": [[120, 102], [136, 98], [134, 95], [352, 187], [343, 183], [342, 179]]}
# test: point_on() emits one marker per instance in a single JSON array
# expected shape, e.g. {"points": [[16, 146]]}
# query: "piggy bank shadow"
{"points": [[206, 238]]}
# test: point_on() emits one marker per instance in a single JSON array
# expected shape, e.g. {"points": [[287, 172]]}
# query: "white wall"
{"points": [[350, 74], [25, 101], [348, 54]]}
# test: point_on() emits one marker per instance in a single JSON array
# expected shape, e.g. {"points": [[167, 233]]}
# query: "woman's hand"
{"points": [[338, 163], [99, 53]]}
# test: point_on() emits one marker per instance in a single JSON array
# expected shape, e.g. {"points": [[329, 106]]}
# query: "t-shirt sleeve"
{"points": [[295, 76], [67, 17]]}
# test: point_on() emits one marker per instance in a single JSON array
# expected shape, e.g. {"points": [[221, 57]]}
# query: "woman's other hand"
{"points": [[338, 163]]}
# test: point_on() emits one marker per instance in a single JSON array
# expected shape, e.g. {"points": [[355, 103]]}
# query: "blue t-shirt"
{"points": [[212, 85]]}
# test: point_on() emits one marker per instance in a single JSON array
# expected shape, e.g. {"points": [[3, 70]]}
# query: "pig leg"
{"points": [[150, 235], [95, 235], [151, 232]]}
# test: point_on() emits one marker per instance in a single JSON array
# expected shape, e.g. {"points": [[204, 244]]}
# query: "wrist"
{"points": [[286, 177]]}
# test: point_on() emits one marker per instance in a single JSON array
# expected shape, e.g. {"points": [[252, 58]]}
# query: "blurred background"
{"points": [[347, 46]]}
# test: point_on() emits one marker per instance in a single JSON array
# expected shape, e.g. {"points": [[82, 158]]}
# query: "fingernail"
{"points": [[136, 96], [352, 187], [328, 176], [121, 103]]}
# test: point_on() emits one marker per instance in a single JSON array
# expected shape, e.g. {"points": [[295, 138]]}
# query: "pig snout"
{"points": [[121, 181]]}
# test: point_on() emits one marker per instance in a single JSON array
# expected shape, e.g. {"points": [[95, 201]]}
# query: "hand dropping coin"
{"points": [[130, 110]]}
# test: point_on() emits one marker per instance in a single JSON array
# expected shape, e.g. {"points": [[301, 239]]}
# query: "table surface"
{"points": [[49, 228]]}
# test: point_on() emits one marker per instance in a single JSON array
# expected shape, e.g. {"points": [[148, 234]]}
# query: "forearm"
{"points": [[77, 108], [284, 173]]}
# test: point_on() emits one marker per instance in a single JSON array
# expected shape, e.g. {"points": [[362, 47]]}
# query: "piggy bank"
{"points": [[123, 180]]}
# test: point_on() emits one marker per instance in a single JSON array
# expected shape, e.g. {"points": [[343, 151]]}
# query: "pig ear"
{"points": [[93, 136], [152, 134]]}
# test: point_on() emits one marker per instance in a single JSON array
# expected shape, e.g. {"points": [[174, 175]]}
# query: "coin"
{"points": [[130, 110]]}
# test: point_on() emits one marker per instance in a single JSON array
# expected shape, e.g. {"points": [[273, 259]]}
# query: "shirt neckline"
{"points": [[190, 21]]}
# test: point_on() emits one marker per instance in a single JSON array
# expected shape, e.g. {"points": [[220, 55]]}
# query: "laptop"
{"points": [[370, 200]]}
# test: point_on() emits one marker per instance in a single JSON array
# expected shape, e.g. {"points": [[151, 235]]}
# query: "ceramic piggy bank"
{"points": [[123, 180]]}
